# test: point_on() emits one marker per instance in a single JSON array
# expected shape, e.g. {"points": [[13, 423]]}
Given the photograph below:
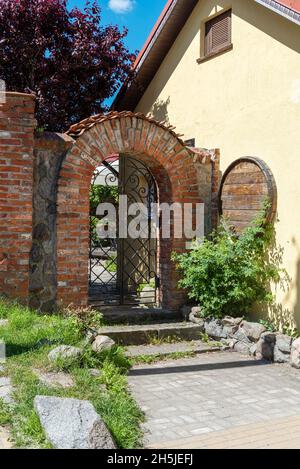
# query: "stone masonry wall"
{"points": [[49, 151], [17, 125]]}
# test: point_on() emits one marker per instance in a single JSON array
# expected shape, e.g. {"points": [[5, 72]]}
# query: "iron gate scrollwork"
{"points": [[123, 270]]}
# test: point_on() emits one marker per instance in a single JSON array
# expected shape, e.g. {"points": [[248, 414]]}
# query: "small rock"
{"points": [[96, 373], [215, 329], [6, 390], [282, 349], [102, 343], [196, 320], [265, 346], [4, 322], [72, 424], [196, 310], [64, 352], [240, 336], [54, 380], [229, 331], [295, 354], [242, 347], [253, 330], [229, 321]]}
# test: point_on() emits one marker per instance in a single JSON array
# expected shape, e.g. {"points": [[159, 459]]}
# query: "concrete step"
{"points": [[134, 315], [150, 333], [164, 350]]}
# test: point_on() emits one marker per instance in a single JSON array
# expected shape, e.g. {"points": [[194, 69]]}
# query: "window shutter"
{"points": [[218, 33]]}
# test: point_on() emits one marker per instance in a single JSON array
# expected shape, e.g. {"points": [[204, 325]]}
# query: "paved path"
{"points": [[222, 399]]}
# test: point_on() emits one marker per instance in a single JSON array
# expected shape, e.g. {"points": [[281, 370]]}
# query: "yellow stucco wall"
{"points": [[245, 102]]}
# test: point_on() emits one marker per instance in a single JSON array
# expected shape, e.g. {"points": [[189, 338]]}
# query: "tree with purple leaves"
{"points": [[66, 57]]}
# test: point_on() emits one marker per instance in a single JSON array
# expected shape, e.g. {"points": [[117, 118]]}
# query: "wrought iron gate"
{"points": [[123, 271]]}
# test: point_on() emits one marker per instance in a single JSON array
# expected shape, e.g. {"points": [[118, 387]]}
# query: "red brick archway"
{"points": [[169, 160]]}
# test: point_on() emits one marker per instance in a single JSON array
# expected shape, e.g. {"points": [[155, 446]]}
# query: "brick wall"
{"points": [[17, 125], [172, 165]]}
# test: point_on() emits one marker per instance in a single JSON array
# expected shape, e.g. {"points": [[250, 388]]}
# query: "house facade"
{"points": [[227, 75]]}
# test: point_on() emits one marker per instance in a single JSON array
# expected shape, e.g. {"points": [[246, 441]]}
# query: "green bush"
{"points": [[228, 274]]}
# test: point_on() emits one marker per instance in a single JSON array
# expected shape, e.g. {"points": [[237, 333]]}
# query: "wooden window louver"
{"points": [[218, 33]]}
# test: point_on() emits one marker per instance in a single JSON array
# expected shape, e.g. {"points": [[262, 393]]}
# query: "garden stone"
{"points": [[215, 329], [265, 346], [240, 336], [242, 347], [253, 330], [54, 380], [196, 310], [64, 352], [231, 322], [295, 354], [282, 349], [72, 424], [102, 343], [196, 320], [229, 331], [4, 322], [6, 390]]}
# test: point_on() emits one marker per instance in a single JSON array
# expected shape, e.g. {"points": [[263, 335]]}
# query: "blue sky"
{"points": [[139, 16]]}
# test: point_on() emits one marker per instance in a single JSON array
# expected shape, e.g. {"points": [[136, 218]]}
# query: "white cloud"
{"points": [[121, 6]]}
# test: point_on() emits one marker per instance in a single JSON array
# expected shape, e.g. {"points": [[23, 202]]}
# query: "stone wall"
{"points": [[49, 151], [17, 125]]}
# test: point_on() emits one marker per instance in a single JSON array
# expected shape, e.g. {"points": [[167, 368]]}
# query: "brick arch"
{"points": [[96, 138]]}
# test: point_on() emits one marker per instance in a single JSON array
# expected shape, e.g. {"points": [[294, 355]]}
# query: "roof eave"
{"points": [[281, 10]]}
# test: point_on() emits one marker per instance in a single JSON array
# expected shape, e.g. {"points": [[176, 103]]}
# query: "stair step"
{"points": [[164, 350], [145, 334], [132, 315]]}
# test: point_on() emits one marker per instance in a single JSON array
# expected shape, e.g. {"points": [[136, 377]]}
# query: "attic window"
{"points": [[218, 34]]}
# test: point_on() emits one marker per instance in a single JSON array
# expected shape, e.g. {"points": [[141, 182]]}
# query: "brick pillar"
{"points": [[17, 126]]}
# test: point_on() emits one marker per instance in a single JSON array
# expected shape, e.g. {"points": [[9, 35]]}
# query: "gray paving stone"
{"points": [[213, 392]]}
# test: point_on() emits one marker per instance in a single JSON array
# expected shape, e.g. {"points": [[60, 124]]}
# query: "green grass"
{"points": [[149, 359], [29, 338]]}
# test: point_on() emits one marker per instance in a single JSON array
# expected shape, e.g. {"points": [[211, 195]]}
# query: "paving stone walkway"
{"points": [[224, 395]]}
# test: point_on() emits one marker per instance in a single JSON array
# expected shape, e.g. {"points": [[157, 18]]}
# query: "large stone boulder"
{"points": [[282, 349], [64, 352], [102, 343], [295, 354], [265, 346], [253, 330], [72, 424], [214, 329]]}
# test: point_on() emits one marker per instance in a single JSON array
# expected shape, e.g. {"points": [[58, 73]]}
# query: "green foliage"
{"points": [[228, 274], [100, 194], [268, 325]]}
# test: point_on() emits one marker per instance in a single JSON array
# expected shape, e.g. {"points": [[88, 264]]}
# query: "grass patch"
{"points": [[29, 338], [149, 359]]}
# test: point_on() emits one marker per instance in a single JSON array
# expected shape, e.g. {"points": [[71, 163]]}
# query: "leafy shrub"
{"points": [[228, 274]]}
